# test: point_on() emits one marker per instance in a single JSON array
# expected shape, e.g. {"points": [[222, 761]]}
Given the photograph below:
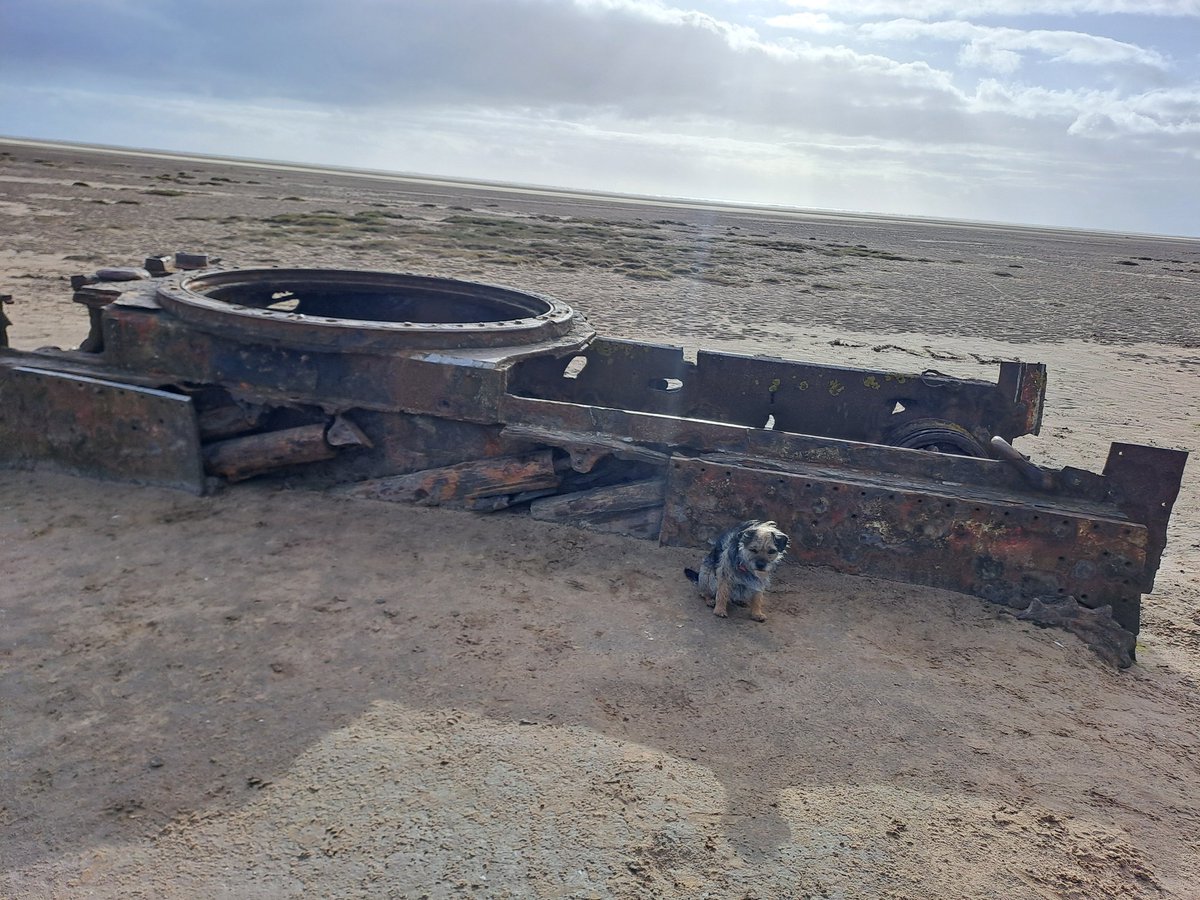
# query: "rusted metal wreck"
{"points": [[438, 391]]}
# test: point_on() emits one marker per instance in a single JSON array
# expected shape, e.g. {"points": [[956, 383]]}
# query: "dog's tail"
{"points": [[692, 575]]}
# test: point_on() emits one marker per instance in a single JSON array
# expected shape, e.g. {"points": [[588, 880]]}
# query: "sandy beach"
{"points": [[273, 692]]}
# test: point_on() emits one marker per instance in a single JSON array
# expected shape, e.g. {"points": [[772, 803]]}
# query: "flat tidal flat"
{"points": [[273, 693]]}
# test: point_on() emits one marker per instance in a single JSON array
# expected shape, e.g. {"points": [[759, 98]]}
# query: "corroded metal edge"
{"points": [[104, 429], [193, 298]]}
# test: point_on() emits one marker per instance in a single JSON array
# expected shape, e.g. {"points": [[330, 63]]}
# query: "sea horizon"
{"points": [[573, 192]]}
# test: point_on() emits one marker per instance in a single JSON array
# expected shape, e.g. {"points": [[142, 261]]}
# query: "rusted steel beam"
{"points": [[661, 432], [445, 385], [342, 345], [806, 398], [946, 536], [97, 427]]}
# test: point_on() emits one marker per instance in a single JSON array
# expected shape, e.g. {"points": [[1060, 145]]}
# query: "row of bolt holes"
{"points": [[133, 425], [950, 506]]}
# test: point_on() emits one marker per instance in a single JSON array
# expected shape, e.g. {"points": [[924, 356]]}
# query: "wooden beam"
{"points": [[244, 457], [466, 483], [600, 504]]}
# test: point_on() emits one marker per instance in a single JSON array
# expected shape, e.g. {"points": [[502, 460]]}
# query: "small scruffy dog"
{"points": [[738, 568]]}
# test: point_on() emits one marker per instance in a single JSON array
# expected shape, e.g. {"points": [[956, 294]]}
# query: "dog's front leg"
{"points": [[721, 604], [756, 607]]}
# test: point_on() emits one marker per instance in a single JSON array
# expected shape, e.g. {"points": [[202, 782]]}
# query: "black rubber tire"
{"points": [[937, 436]]}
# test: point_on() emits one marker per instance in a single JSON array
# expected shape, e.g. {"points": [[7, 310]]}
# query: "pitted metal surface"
{"points": [[356, 311]]}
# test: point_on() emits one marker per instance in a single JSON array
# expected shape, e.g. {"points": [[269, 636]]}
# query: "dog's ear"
{"points": [[781, 541]]}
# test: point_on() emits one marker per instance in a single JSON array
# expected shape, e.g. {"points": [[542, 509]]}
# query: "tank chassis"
{"points": [[445, 392]]}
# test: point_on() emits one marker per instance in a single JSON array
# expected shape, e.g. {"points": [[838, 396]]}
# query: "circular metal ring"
{"points": [[349, 310]]}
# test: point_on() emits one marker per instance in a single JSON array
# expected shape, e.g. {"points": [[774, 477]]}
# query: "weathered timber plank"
{"points": [[504, 501], [641, 523], [600, 504], [464, 482], [240, 458], [220, 422]]}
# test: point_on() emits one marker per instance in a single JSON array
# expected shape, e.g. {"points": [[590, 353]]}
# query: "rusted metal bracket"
{"points": [[98, 427]]}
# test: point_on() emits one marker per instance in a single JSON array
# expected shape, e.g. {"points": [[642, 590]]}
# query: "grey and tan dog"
{"points": [[738, 568]]}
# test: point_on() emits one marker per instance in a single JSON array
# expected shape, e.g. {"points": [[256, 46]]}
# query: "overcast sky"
{"points": [[1082, 113]]}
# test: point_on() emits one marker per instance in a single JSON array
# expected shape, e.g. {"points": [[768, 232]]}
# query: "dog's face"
{"points": [[762, 547]]}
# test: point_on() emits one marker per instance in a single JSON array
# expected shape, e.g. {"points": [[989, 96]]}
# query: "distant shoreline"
{"points": [[579, 194]]}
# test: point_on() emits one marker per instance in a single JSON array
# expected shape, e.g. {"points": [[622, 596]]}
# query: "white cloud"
{"points": [[813, 22], [1026, 102], [639, 60], [974, 9], [663, 14], [1170, 114], [1174, 113], [983, 55], [999, 48]]}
